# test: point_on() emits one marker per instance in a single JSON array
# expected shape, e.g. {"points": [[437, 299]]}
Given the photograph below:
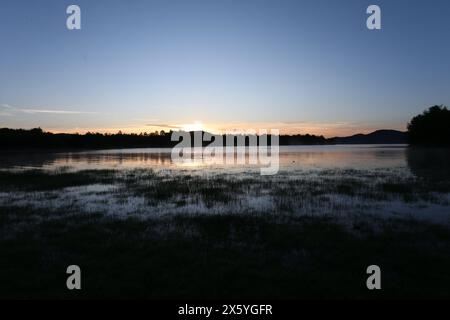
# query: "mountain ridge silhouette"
{"points": [[382, 136]]}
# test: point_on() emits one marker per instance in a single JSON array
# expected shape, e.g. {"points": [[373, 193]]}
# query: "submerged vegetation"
{"points": [[41, 180], [221, 256], [289, 191], [165, 234]]}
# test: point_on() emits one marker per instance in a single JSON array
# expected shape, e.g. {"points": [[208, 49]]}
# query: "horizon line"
{"points": [[242, 132]]}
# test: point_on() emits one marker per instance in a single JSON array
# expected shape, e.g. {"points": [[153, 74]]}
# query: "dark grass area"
{"points": [[227, 256], [51, 180]]}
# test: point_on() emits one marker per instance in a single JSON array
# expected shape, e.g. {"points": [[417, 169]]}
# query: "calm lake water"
{"points": [[290, 157], [427, 163], [392, 180]]}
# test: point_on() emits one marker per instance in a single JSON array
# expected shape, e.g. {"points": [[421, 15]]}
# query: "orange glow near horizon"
{"points": [[328, 130]]}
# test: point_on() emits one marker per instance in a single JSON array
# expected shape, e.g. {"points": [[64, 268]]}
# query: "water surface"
{"points": [[290, 157]]}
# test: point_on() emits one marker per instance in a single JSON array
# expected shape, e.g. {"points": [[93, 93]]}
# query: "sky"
{"points": [[298, 66]]}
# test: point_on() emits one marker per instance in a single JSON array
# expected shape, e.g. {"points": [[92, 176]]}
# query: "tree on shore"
{"points": [[432, 127]]}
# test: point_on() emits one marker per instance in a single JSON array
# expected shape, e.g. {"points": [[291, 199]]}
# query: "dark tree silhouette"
{"points": [[432, 127], [39, 139]]}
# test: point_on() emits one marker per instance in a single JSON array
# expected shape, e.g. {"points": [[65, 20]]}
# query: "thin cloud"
{"points": [[47, 111], [55, 111], [145, 119], [163, 125]]}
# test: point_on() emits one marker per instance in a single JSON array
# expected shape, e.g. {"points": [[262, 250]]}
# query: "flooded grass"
{"points": [[300, 192], [161, 234], [51, 180], [222, 256]]}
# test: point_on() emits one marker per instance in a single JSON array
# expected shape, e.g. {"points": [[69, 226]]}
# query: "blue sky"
{"points": [[299, 66]]}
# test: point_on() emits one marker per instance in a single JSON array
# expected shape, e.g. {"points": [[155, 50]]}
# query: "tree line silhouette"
{"points": [[432, 127], [39, 139]]}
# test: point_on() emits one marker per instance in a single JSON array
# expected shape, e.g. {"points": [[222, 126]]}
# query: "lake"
{"points": [[291, 157], [337, 180]]}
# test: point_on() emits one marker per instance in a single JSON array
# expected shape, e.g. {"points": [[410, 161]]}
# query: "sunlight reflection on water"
{"points": [[290, 157]]}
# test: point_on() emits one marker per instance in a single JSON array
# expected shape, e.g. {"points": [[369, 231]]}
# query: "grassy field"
{"points": [[274, 246]]}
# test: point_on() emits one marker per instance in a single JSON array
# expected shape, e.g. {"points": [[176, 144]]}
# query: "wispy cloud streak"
{"points": [[47, 111], [160, 125]]}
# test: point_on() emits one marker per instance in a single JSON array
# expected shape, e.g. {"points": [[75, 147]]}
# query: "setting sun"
{"points": [[196, 126]]}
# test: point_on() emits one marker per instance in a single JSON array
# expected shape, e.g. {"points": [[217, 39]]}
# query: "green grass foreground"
{"points": [[223, 256]]}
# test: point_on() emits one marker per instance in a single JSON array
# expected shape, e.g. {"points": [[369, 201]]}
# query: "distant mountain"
{"points": [[376, 137]]}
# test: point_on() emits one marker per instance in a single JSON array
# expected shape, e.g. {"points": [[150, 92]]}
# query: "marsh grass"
{"points": [[294, 245], [51, 180], [332, 191], [223, 256]]}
